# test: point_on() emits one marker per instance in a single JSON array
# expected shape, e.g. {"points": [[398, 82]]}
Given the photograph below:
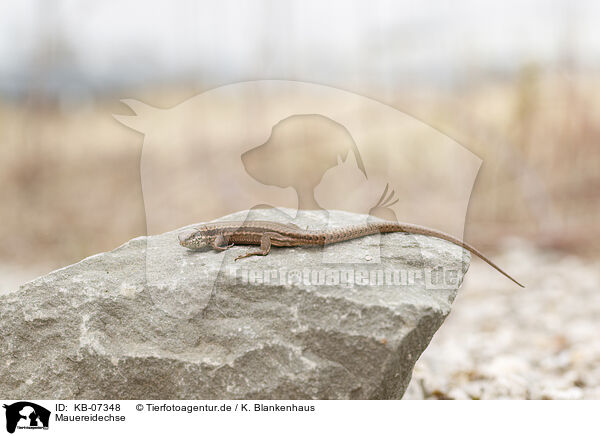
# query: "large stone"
{"points": [[154, 320]]}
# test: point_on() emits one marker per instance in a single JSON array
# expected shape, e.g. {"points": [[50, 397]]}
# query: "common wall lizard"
{"points": [[223, 235]]}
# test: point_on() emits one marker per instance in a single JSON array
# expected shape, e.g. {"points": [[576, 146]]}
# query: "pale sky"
{"points": [[115, 42]]}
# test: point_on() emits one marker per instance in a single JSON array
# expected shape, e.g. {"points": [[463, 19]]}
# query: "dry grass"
{"points": [[70, 179], [541, 151]]}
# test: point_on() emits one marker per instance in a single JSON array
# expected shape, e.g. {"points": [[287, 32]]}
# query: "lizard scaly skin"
{"points": [[223, 235]]}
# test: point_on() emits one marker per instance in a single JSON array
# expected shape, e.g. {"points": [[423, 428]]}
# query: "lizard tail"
{"points": [[488, 261], [419, 230]]}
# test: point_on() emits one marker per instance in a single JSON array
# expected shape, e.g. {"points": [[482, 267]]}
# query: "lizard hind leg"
{"points": [[265, 246]]}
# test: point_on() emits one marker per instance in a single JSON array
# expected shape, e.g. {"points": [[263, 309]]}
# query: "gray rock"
{"points": [[153, 320]]}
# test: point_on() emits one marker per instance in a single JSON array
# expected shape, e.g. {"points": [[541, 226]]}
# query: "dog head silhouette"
{"points": [[31, 412]]}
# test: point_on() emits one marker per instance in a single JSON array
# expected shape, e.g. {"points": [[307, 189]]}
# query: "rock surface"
{"points": [[153, 320]]}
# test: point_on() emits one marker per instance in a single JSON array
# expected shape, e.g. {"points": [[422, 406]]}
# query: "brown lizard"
{"points": [[223, 235]]}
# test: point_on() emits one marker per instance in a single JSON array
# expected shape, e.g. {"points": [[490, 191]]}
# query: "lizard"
{"points": [[224, 234]]}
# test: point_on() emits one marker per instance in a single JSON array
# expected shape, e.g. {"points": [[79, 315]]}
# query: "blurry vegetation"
{"points": [[540, 147], [71, 182]]}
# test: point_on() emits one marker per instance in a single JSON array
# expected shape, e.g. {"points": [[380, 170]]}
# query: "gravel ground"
{"points": [[504, 342]]}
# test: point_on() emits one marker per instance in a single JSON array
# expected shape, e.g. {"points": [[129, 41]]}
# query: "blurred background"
{"points": [[517, 83]]}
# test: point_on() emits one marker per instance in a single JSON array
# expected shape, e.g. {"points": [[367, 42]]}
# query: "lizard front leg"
{"points": [[265, 246], [220, 243]]}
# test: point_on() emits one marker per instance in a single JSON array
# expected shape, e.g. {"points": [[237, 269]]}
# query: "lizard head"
{"points": [[194, 239]]}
